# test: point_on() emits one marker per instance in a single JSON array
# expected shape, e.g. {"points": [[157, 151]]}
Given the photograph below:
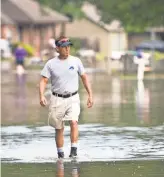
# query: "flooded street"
{"points": [[122, 135], [97, 143]]}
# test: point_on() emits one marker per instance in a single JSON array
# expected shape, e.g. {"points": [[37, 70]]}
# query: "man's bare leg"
{"points": [[74, 137], [60, 142], [74, 131]]}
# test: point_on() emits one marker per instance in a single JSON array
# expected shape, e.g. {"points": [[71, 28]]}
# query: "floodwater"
{"points": [[122, 135]]}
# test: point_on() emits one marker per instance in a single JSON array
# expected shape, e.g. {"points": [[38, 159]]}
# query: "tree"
{"points": [[67, 7], [135, 15]]}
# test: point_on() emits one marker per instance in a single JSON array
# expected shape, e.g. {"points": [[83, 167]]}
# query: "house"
{"points": [[151, 33], [28, 22], [101, 37]]}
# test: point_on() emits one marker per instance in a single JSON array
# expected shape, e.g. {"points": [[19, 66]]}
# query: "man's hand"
{"points": [[90, 102], [42, 86], [43, 101], [88, 89]]}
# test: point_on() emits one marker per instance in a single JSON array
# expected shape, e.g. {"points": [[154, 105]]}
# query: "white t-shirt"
{"points": [[64, 74]]}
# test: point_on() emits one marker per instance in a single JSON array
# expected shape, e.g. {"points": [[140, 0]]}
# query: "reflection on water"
{"points": [[116, 98], [20, 96], [143, 103], [116, 102], [144, 168], [61, 169], [124, 130]]}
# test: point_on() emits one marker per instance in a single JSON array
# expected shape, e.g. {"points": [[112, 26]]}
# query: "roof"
{"points": [[30, 11], [13, 11], [56, 15], [92, 13], [155, 29], [5, 19]]}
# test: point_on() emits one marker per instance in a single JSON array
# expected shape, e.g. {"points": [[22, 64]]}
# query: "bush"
{"points": [[29, 49], [76, 45], [158, 55]]}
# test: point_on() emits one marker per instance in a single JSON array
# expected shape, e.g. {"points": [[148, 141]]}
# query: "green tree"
{"points": [[68, 7], [135, 15]]}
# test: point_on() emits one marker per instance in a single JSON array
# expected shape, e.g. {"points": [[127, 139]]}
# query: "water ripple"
{"points": [[96, 143]]}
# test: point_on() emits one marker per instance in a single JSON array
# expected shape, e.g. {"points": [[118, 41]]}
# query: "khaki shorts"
{"points": [[63, 109]]}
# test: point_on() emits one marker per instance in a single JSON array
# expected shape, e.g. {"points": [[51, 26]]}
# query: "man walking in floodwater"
{"points": [[63, 72]]}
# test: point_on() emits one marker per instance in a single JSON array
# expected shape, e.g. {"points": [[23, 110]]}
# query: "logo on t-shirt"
{"points": [[71, 68]]}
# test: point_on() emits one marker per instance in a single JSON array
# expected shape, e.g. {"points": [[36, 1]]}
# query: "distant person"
{"points": [[51, 42], [20, 54], [140, 61], [52, 48], [63, 72], [139, 53]]}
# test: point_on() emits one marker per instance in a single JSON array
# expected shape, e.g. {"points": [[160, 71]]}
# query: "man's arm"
{"points": [[88, 89], [42, 87], [86, 84]]}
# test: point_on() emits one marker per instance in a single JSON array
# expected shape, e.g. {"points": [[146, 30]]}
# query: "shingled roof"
{"points": [[5, 19], [30, 11]]}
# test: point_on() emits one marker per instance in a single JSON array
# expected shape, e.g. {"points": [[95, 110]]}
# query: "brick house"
{"points": [[28, 22]]}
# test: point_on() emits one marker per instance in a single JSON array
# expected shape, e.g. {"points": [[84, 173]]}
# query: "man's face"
{"points": [[64, 51]]}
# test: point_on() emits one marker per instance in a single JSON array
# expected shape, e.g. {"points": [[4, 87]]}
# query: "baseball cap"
{"points": [[63, 42]]}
